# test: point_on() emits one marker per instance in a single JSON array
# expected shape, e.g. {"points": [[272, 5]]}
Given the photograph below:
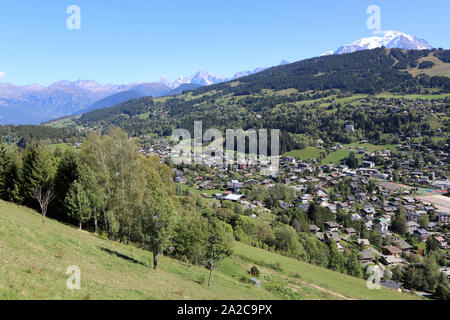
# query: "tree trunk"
{"points": [[210, 277], [81, 223], [95, 221], [155, 260]]}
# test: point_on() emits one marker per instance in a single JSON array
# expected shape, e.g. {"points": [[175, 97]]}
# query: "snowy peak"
{"points": [[389, 39], [202, 77]]}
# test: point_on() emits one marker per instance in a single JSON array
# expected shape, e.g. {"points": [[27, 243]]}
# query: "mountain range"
{"points": [[33, 104]]}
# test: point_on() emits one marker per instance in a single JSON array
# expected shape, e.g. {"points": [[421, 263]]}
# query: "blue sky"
{"points": [[137, 41]]}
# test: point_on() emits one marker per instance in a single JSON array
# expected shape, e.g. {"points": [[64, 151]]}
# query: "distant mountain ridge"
{"points": [[35, 103], [139, 91]]}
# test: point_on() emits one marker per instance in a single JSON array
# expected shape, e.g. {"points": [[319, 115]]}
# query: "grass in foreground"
{"points": [[34, 257]]}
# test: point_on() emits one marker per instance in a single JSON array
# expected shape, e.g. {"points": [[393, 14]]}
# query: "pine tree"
{"points": [[66, 174]]}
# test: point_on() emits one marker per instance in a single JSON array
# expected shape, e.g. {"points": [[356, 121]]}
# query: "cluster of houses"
{"points": [[314, 184], [317, 182]]}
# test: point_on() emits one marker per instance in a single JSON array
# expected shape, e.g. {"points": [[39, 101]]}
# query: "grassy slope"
{"points": [[34, 257], [307, 153]]}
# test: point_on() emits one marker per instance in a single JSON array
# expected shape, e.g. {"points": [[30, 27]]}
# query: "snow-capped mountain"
{"points": [[389, 39], [202, 77], [205, 78]]}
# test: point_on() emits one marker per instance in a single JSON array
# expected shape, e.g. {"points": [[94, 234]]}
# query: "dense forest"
{"points": [[29, 135]]}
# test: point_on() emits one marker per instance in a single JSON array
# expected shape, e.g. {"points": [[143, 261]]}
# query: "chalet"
{"points": [[350, 231], [349, 127], [233, 197], [331, 226], [382, 226], [369, 210], [441, 242], [412, 216], [333, 236], [234, 185], [207, 185], [403, 245], [391, 251], [390, 260], [367, 257], [251, 182], [432, 226], [412, 226], [421, 234], [391, 284], [313, 228], [368, 164], [443, 217]]}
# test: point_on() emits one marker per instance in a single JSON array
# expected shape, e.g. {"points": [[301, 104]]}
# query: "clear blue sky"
{"points": [[134, 40]]}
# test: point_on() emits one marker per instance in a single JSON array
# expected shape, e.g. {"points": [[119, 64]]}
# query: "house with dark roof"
{"points": [[331, 226], [391, 251], [443, 217], [391, 284], [421, 234]]}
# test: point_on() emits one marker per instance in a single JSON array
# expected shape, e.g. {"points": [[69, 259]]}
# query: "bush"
{"points": [[254, 271], [426, 65]]}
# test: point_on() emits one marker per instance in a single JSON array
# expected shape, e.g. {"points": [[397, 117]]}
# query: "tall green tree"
{"points": [[67, 172], [77, 202], [10, 175], [354, 267], [37, 176], [399, 221], [190, 238], [92, 189], [158, 224], [336, 260], [218, 247]]}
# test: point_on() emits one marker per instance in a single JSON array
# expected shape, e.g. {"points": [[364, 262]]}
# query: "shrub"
{"points": [[426, 65], [254, 271]]}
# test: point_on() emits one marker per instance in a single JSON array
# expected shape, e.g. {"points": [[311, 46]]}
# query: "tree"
{"points": [[190, 238], [158, 222], [43, 198], [354, 267], [432, 244], [92, 189], [218, 247], [351, 161], [66, 173], [10, 179], [442, 292], [423, 221], [399, 221], [37, 175], [78, 204], [397, 273], [336, 261]]}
